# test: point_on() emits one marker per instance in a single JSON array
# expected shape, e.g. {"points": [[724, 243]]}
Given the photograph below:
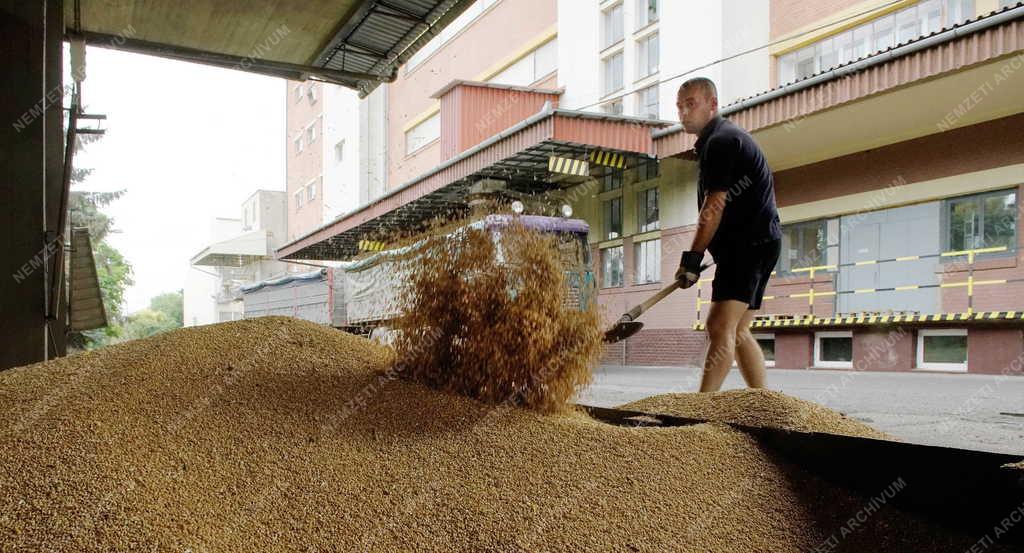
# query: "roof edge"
{"points": [[484, 84], [855, 66]]}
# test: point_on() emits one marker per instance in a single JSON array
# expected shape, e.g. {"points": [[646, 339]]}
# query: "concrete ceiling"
{"points": [[234, 27], [904, 114], [356, 43]]}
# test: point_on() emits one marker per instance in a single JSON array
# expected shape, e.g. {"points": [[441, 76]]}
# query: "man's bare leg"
{"points": [[749, 356], [723, 321]]}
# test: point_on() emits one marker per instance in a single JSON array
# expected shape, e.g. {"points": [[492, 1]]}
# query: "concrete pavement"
{"points": [[957, 410]]}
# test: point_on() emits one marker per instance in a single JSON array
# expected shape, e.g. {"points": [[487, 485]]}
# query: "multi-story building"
{"points": [[241, 251], [892, 127], [322, 160]]}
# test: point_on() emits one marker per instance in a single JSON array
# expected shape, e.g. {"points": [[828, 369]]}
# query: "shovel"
{"points": [[628, 324]]}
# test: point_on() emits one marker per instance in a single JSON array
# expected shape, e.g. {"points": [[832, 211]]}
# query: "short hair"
{"points": [[704, 83]]}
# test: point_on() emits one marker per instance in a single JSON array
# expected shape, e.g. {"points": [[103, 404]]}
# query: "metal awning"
{"points": [[519, 156], [235, 252], [355, 43]]}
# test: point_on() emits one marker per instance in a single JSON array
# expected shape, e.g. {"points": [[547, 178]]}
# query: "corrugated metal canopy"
{"points": [[238, 251], [519, 156], [355, 43]]}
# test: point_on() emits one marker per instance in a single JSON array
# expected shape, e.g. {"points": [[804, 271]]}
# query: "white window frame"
{"points": [[299, 143], [311, 94], [642, 102], [299, 196], [644, 48], [766, 336], [608, 24], [622, 267], [947, 367], [311, 190], [607, 66], [641, 13], [427, 139], [298, 93], [818, 362], [311, 132], [641, 209], [614, 107], [653, 274]]}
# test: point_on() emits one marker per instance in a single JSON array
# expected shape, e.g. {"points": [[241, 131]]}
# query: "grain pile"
{"points": [[489, 318], [279, 435], [756, 407]]}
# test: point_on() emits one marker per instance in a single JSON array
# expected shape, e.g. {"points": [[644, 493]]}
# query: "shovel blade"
{"points": [[622, 330]]}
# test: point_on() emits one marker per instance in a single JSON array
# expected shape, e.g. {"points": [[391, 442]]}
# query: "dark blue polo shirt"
{"points": [[731, 160]]}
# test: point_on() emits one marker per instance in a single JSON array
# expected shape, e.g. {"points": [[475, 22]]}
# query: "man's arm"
{"points": [[707, 225], [708, 220]]}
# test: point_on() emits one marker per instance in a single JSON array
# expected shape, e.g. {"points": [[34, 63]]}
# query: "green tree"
{"points": [[171, 304], [85, 209], [147, 322]]}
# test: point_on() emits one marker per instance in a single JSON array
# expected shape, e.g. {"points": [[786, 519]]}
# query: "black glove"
{"points": [[689, 268]]}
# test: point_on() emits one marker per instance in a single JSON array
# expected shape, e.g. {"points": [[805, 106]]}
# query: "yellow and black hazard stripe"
{"points": [[873, 319], [371, 246], [569, 166], [608, 159]]}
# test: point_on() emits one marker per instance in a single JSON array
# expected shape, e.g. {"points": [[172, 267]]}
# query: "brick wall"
{"points": [[994, 350], [674, 347], [883, 349]]}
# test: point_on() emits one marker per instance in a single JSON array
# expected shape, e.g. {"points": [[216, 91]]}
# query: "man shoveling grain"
{"points": [[738, 224]]}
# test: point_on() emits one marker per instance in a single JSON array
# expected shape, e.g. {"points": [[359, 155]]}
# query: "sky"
{"points": [[187, 143]]}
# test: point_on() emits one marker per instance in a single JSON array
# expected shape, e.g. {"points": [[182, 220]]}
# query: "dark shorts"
{"points": [[742, 273]]}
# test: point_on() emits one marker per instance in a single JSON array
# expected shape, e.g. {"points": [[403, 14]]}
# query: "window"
{"points": [[611, 267], [646, 12], [959, 10], [647, 210], [298, 93], [339, 151], [833, 349], [423, 133], [942, 349], [298, 143], [611, 180], [647, 56], [612, 218], [611, 26], [809, 244], [613, 107], [298, 199], [312, 94], [311, 190], [311, 133], [647, 102], [612, 66], [647, 171], [884, 32], [981, 221], [531, 67], [648, 261], [767, 343]]}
